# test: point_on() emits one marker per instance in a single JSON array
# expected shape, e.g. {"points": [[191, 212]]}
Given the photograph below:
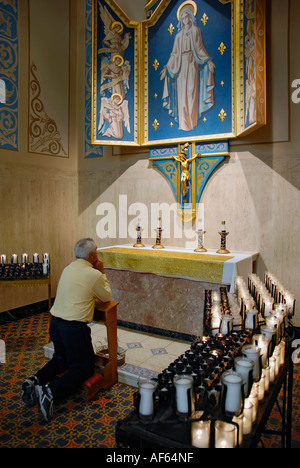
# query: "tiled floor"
{"points": [[146, 355]]}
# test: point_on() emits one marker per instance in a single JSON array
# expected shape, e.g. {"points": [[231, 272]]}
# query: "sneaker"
{"points": [[45, 401], [28, 391]]}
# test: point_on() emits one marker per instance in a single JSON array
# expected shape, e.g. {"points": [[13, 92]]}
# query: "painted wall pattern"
{"points": [[44, 136], [9, 70], [90, 151]]}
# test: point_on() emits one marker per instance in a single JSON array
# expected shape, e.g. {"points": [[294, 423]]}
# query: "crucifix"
{"points": [[188, 167], [185, 172]]}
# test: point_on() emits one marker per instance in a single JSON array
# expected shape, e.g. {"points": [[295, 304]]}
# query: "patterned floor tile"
{"points": [[159, 351]]}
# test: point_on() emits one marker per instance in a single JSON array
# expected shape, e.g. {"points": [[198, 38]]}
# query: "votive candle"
{"points": [[225, 435], [201, 434]]}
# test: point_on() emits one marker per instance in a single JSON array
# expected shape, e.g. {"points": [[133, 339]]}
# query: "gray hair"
{"points": [[84, 247]]}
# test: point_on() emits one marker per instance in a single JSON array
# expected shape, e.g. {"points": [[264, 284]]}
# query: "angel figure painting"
{"points": [[115, 70], [114, 112]]}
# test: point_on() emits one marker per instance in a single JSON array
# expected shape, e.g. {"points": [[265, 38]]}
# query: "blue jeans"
{"points": [[73, 356]]}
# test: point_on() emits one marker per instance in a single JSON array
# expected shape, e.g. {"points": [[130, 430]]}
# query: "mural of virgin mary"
{"points": [[188, 76]]}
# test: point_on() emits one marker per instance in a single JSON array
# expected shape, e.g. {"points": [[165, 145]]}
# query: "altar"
{"points": [[163, 290]]}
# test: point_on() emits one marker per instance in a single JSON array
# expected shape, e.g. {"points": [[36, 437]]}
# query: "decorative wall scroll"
{"points": [[9, 72], [48, 131], [194, 70], [188, 167], [44, 136]]}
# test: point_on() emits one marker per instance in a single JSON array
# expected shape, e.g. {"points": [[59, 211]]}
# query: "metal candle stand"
{"points": [[139, 237], [158, 244], [223, 234]]}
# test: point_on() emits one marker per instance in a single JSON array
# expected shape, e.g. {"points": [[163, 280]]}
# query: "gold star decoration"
{"points": [[222, 115], [222, 83], [204, 19], [171, 29], [222, 48], [155, 64], [155, 124]]}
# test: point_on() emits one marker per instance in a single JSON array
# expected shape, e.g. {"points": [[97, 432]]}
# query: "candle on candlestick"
{"points": [[158, 244], [14, 258], [35, 258], [139, 231], [223, 233], [200, 234], [3, 259], [24, 258]]}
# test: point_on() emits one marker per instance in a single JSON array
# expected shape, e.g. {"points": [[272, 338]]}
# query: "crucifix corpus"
{"points": [[185, 162]]}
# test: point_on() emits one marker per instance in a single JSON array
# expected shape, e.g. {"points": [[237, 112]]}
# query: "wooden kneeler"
{"points": [[105, 312]]}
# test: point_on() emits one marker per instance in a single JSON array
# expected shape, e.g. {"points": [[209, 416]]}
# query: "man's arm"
{"points": [[101, 288]]}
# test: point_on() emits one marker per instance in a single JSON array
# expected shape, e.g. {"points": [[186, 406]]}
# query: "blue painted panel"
{"points": [[216, 31], [90, 151], [9, 74]]}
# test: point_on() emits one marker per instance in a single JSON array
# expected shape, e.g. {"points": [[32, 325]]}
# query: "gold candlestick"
{"points": [[158, 244], [223, 234], [139, 236]]}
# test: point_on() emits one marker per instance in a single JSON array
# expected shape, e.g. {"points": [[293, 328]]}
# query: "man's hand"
{"points": [[98, 265]]}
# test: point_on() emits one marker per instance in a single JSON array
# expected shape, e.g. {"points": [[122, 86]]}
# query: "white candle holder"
{"points": [[253, 353], [146, 405], [183, 386]]}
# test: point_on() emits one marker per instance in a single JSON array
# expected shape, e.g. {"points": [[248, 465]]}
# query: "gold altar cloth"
{"points": [[206, 267]]}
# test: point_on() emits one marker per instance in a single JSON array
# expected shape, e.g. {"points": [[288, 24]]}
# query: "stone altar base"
{"points": [[169, 304]]}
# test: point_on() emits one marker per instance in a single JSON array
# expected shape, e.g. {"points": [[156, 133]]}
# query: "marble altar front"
{"points": [[164, 290]]}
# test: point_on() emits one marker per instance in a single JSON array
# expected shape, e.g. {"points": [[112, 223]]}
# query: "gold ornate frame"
{"points": [[239, 11]]}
